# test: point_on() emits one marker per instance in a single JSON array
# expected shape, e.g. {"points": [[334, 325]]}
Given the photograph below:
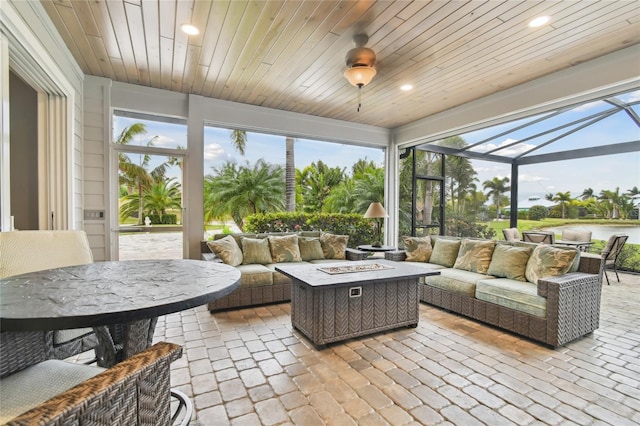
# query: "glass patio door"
{"points": [[148, 215]]}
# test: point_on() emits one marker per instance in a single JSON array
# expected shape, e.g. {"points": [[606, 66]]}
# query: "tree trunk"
{"points": [[290, 176]]}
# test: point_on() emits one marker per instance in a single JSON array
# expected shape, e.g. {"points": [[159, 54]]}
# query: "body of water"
{"points": [[602, 232]]}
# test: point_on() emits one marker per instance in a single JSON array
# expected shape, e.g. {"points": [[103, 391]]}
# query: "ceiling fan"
{"points": [[360, 61]]}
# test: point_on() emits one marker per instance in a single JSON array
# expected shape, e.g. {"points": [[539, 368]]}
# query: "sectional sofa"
{"points": [[257, 255], [534, 290]]}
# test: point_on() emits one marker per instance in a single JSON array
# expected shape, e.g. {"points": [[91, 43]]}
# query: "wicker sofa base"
{"points": [[573, 309], [253, 296]]}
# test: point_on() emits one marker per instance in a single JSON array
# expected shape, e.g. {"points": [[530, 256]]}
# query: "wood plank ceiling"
{"points": [[290, 55]]}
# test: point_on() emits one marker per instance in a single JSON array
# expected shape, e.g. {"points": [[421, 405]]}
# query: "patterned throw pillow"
{"points": [[284, 249], [475, 255], [227, 249], [334, 246], [256, 251], [310, 248], [509, 262], [418, 249], [445, 252], [548, 261]]}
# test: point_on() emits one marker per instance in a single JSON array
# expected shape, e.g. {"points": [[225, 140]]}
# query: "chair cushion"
{"points": [[284, 248], [255, 275], [513, 294], [34, 385], [334, 246], [509, 262], [475, 255], [548, 261], [227, 249], [418, 249], [445, 252], [256, 251], [576, 235], [511, 234], [65, 336], [456, 280], [310, 248]]}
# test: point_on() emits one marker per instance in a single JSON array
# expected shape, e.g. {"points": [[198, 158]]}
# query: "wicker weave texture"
{"points": [[136, 391], [573, 309], [328, 314]]}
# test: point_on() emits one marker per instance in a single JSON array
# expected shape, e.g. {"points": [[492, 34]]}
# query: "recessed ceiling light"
{"points": [[190, 29], [539, 21], [406, 87]]}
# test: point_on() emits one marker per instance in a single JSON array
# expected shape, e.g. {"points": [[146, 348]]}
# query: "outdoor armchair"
{"points": [[609, 255], [135, 391], [28, 251]]}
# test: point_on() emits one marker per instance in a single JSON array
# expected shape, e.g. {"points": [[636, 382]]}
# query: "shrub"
{"points": [[538, 213], [167, 219], [359, 229], [459, 227]]}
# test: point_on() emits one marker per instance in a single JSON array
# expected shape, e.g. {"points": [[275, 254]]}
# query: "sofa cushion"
{"points": [[513, 294], [310, 248], [256, 250], [323, 261], [255, 275], [475, 255], [548, 261], [284, 248], [418, 249], [280, 278], [509, 262], [445, 252], [456, 280], [227, 250], [333, 246]]}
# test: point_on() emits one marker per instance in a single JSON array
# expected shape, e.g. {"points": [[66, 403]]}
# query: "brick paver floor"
{"points": [[248, 367]]}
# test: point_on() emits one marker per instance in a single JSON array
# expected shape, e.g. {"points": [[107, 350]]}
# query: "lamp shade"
{"points": [[375, 210], [360, 75]]}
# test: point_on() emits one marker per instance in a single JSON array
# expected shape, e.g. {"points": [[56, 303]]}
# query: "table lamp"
{"points": [[376, 211]]}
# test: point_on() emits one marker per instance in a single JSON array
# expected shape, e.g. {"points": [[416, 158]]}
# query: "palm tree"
{"points": [[162, 196], [317, 181], [587, 193], [563, 198], [240, 191], [496, 187], [239, 140]]}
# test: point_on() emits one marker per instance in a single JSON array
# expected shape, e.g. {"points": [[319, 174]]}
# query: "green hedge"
{"points": [[359, 229], [167, 219]]}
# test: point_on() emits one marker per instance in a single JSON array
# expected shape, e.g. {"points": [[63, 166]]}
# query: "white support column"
{"points": [[193, 189]]}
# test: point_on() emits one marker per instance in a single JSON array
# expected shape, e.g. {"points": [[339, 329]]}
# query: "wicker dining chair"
{"points": [[22, 252], [135, 391]]}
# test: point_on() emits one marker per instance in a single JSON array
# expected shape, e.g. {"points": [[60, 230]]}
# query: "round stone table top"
{"points": [[105, 293]]}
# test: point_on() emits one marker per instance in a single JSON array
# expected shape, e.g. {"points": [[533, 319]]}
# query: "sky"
{"points": [[598, 173]]}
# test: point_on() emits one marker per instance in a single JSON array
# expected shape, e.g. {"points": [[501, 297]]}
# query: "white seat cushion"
{"points": [[34, 385]]}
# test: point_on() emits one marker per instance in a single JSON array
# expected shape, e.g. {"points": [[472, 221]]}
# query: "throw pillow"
{"points": [[284, 249], [475, 255], [548, 261], [310, 248], [509, 262], [256, 251], [418, 249], [334, 246], [227, 249], [445, 252]]}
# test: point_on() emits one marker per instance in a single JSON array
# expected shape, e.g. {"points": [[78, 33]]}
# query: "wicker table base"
{"points": [[329, 308]]}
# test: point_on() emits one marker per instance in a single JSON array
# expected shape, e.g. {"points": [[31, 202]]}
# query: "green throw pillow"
{"points": [[256, 251], [548, 261], [284, 249], [418, 249], [334, 246], [509, 262], [310, 248], [475, 255], [445, 252], [227, 249]]}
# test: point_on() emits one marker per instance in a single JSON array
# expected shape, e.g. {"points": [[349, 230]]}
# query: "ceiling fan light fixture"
{"points": [[360, 75]]}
